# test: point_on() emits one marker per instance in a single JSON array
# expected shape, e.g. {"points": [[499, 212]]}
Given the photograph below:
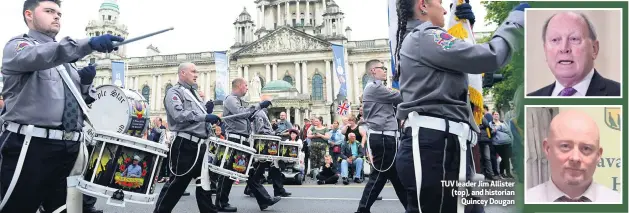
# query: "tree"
{"points": [[513, 73]]}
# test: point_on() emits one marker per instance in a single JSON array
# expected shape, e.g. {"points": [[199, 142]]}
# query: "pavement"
{"points": [[306, 198]]}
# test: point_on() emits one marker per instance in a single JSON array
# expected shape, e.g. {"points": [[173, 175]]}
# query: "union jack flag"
{"points": [[343, 108]]}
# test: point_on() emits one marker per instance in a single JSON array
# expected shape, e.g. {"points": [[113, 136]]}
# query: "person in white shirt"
{"points": [[571, 46], [573, 151]]}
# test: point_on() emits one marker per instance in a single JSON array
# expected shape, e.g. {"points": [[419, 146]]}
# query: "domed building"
{"points": [[284, 51]]}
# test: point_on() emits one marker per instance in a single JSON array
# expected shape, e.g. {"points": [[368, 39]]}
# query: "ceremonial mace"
{"points": [[74, 198]]}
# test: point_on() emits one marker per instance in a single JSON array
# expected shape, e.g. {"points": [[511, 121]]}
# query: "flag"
{"points": [[461, 29], [222, 75], [339, 69], [118, 73], [343, 108], [393, 39]]}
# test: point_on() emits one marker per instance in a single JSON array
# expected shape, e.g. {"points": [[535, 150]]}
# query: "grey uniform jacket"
{"points": [[182, 113], [233, 105], [261, 124], [378, 103], [33, 90], [434, 67]]}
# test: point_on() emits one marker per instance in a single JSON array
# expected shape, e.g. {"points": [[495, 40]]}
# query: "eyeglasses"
{"points": [[383, 68]]}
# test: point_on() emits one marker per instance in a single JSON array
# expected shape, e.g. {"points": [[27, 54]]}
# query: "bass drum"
{"points": [[120, 110]]}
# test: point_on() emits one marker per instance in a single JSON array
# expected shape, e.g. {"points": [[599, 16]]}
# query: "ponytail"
{"points": [[404, 13]]}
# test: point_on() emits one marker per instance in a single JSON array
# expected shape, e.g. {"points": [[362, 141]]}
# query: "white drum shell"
{"points": [[217, 142], [120, 110]]}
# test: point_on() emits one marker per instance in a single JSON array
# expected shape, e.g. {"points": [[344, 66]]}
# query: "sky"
{"points": [[200, 25]]}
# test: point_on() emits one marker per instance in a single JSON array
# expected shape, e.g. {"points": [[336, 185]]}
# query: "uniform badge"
{"points": [[175, 98], [443, 39], [20, 46]]}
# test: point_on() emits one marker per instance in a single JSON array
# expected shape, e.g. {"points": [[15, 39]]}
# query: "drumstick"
{"points": [[240, 115], [126, 41]]}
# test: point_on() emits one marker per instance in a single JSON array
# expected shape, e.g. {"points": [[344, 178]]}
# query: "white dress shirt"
{"points": [[581, 87], [548, 192]]}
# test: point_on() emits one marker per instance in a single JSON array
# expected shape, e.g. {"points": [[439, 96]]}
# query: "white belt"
{"points": [[388, 132], [38, 132], [189, 137], [460, 129]]}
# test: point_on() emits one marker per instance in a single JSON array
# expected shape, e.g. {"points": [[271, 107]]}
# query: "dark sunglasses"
{"points": [[383, 68]]}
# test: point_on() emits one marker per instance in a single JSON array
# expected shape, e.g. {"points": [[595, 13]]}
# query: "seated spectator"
{"points": [[328, 173], [335, 143], [352, 156]]}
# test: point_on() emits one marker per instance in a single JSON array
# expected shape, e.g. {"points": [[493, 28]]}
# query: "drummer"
{"points": [[262, 126], [238, 130], [187, 121]]}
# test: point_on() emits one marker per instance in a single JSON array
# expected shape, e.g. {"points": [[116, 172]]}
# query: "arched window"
{"points": [[146, 92], [168, 86], [288, 79], [366, 80], [261, 82], [317, 87]]}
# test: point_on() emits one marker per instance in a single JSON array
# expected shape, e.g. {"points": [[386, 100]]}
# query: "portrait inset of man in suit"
{"points": [[571, 47]]}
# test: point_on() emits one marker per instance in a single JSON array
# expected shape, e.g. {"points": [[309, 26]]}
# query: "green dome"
{"points": [[280, 85], [109, 5]]}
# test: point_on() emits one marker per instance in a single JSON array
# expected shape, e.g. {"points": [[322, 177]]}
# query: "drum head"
{"points": [[119, 110]]}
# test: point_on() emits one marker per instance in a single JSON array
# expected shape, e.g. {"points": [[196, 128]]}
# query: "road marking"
{"points": [[330, 198]]}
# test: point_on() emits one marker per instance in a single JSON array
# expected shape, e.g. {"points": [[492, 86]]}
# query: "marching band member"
{"points": [[42, 120], [237, 130], [261, 126], [437, 118], [187, 119], [379, 115]]}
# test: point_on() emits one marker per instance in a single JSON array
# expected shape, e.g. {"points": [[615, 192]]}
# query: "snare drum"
{"points": [[267, 147], [289, 150], [120, 110], [122, 165], [230, 159]]}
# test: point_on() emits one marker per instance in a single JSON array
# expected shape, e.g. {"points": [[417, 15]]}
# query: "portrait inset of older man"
{"points": [[573, 154], [573, 52]]}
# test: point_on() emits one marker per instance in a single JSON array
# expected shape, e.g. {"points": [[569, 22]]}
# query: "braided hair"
{"points": [[404, 13]]}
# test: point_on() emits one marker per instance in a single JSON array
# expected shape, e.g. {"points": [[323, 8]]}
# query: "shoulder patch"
{"points": [[21, 45], [175, 98], [443, 39]]}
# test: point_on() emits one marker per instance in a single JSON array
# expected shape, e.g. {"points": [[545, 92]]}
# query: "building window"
{"points": [[288, 79], [302, 22], [103, 17], [109, 32], [294, 23], [146, 92], [109, 17], [261, 82], [168, 86], [317, 87], [97, 33], [366, 80]]}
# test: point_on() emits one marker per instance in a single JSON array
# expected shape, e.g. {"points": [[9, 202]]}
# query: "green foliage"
{"points": [[497, 12]]}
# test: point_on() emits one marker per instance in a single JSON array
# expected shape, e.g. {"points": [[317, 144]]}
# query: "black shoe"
{"points": [[497, 177], [186, 193], [357, 180], [490, 177], [92, 210], [345, 181], [273, 201], [379, 198], [227, 208], [247, 192], [509, 176], [285, 194], [320, 182]]}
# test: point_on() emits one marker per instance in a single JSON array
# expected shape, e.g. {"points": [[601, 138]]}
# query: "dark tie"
{"points": [[568, 91], [566, 199], [70, 111]]}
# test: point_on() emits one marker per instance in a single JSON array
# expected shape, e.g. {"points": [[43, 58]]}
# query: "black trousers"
{"points": [[328, 179], [485, 148], [383, 148], [254, 184], [505, 153], [224, 183], [440, 161], [276, 178], [42, 179], [183, 153]]}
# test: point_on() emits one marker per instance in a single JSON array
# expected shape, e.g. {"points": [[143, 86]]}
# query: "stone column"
{"points": [[288, 114], [297, 15], [126, 81], [208, 82], [336, 87], [297, 77], [154, 93], [136, 85], [307, 20], [237, 37], [304, 77], [297, 117], [328, 81], [268, 73], [307, 113], [246, 73], [239, 71], [341, 27], [263, 24], [159, 92], [287, 13], [350, 83], [102, 80], [324, 6], [274, 72], [357, 86]]}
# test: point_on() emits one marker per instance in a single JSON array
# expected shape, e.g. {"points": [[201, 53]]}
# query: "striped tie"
{"points": [[566, 199]]}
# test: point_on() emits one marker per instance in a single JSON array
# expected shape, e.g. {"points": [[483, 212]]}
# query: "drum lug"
{"points": [[118, 196]]}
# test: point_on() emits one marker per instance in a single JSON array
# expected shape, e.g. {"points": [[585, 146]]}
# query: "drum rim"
{"points": [[291, 143], [131, 138], [227, 172], [152, 197], [232, 145], [274, 158], [272, 137]]}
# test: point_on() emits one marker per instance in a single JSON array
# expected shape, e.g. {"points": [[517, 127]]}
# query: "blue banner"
{"points": [[393, 39], [117, 73], [339, 70], [222, 75]]}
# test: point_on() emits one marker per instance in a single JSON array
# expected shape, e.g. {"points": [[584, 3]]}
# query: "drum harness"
{"points": [[205, 178], [72, 180]]}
